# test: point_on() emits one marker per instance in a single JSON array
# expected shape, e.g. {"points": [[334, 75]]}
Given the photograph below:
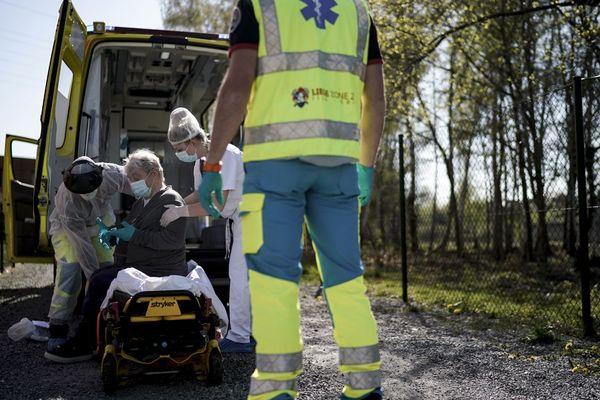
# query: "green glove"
{"points": [[102, 233], [211, 182], [365, 183], [124, 233]]}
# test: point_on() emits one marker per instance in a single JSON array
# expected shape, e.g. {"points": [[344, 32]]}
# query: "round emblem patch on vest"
{"points": [[300, 97], [236, 18]]}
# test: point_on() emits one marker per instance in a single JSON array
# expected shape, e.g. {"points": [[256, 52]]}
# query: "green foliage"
{"points": [[541, 334], [583, 359], [310, 274], [472, 86], [207, 16]]}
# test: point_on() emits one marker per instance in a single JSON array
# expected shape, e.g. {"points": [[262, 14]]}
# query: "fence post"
{"points": [[583, 251], [403, 220]]}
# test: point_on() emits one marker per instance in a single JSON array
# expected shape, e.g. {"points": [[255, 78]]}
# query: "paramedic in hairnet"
{"points": [[83, 196], [190, 144]]}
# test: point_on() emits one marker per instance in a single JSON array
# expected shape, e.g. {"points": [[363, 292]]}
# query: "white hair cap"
{"points": [[183, 126]]}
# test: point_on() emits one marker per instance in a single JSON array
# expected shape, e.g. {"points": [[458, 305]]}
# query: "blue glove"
{"points": [[124, 233], [211, 182], [365, 183], [102, 234]]}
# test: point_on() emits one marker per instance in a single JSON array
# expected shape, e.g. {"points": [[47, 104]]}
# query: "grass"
{"points": [[540, 297], [541, 334], [483, 296]]}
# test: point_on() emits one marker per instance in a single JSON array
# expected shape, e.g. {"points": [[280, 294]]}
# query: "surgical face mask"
{"points": [[185, 157], [89, 196], [140, 189]]}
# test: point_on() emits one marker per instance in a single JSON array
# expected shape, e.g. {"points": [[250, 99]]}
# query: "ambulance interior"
{"points": [[130, 91]]}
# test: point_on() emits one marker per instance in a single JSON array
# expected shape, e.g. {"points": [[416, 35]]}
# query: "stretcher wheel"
{"points": [[110, 378], [215, 368]]}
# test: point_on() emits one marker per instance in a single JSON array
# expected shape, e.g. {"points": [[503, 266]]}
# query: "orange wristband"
{"points": [[211, 167]]}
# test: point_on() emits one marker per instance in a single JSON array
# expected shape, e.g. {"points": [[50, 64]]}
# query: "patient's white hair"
{"points": [[143, 160]]}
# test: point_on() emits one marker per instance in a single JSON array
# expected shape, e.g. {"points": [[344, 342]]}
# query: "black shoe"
{"points": [[58, 336], [70, 352], [373, 396], [376, 394]]}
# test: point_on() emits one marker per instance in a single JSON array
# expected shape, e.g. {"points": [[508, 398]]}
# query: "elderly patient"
{"points": [[142, 243]]}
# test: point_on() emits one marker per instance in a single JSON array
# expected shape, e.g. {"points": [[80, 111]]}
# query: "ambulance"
{"points": [[109, 91]]}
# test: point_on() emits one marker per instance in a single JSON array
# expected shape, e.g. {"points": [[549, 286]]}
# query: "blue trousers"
{"points": [[279, 196]]}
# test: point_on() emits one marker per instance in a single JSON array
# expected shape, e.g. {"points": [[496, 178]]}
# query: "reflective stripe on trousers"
{"points": [[66, 289], [275, 374], [359, 355], [67, 283], [363, 380], [266, 389]]}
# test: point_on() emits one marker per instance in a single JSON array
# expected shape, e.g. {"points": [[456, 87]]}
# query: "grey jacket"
{"points": [[154, 250]]}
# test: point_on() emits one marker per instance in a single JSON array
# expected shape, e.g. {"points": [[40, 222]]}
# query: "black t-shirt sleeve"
{"points": [[374, 56], [243, 30]]}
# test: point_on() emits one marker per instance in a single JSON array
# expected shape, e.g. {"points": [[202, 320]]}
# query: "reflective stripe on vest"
{"points": [[279, 363], [363, 380], [330, 77], [310, 59], [276, 61], [359, 355], [302, 130], [265, 386]]}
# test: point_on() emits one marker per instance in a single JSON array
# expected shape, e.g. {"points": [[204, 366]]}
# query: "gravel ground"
{"points": [[426, 355]]}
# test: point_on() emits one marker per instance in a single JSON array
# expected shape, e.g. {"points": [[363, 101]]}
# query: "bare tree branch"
{"points": [[434, 43]]}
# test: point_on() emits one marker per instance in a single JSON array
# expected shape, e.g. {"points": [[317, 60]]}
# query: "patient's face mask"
{"points": [[89, 196], [185, 156], [140, 189]]}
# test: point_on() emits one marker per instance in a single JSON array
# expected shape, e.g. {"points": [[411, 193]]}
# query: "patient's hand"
{"points": [[124, 233]]}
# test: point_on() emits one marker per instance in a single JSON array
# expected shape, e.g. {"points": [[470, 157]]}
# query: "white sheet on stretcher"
{"points": [[132, 281]]}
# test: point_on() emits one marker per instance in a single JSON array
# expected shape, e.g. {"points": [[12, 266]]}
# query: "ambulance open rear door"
{"points": [[17, 202], [60, 115]]}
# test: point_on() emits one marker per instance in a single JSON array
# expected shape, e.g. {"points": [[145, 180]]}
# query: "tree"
{"points": [[210, 16]]}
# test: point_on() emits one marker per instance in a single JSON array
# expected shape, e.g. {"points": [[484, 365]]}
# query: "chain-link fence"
{"points": [[492, 219], [591, 150]]}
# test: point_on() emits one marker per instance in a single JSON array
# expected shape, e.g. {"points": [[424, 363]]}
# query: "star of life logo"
{"points": [[321, 11], [300, 97]]}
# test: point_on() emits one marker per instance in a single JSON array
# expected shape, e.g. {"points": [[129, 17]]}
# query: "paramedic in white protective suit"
{"points": [[83, 196], [191, 145]]}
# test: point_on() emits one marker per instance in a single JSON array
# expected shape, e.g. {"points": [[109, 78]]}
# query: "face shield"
{"points": [[83, 176]]}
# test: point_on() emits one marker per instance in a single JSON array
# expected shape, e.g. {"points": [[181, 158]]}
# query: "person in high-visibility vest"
{"points": [[307, 78]]}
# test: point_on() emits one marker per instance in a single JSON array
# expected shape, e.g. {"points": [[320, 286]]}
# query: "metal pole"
{"points": [[403, 220], [583, 251]]}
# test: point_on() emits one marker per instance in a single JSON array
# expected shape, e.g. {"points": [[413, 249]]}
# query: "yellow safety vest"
{"points": [[306, 98]]}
